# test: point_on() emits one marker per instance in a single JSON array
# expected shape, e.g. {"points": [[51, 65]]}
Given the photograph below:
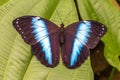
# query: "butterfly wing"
{"points": [[79, 38], [42, 35]]}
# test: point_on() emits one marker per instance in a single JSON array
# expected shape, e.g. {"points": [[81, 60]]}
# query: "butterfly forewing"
{"points": [[42, 35], [23, 26], [80, 37]]}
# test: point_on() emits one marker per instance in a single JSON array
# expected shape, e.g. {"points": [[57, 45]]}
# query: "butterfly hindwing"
{"points": [[42, 35], [80, 37]]}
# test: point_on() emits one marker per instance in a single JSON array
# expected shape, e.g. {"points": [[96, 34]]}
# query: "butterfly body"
{"points": [[62, 33], [46, 38]]}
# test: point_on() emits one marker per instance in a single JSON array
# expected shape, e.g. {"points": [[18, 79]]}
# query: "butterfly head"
{"points": [[62, 25]]}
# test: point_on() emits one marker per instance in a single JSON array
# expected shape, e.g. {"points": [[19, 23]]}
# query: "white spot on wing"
{"points": [[100, 34], [17, 25], [97, 37], [102, 25], [19, 28], [103, 28], [95, 42], [16, 22], [37, 17]]}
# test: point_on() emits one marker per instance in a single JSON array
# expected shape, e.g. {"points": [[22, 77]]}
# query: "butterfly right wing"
{"points": [[80, 37], [42, 35]]}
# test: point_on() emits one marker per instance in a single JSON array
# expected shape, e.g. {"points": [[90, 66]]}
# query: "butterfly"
{"points": [[47, 40]]}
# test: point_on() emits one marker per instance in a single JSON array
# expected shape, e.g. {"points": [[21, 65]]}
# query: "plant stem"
{"points": [[77, 8], [112, 73]]}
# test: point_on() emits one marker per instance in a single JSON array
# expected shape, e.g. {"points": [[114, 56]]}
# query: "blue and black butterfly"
{"points": [[46, 39]]}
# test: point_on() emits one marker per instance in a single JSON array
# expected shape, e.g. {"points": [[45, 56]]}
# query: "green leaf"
{"points": [[16, 59], [108, 13], [3, 1]]}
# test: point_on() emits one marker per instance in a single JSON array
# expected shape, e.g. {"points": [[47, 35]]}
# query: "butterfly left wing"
{"points": [[42, 35], [50, 56], [79, 38]]}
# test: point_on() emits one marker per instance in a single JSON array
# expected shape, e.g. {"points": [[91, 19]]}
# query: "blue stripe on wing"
{"points": [[80, 40], [41, 35]]}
